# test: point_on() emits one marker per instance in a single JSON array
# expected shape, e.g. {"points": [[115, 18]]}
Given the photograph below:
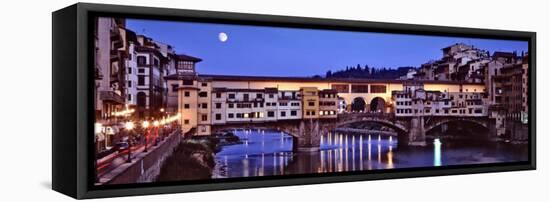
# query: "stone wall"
{"points": [[145, 168]]}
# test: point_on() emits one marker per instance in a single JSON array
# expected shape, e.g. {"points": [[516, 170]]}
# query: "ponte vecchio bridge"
{"points": [[305, 108]]}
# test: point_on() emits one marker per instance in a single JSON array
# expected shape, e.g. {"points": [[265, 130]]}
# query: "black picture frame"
{"points": [[73, 116]]}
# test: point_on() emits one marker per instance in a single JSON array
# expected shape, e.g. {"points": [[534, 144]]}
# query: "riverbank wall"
{"points": [[146, 166]]}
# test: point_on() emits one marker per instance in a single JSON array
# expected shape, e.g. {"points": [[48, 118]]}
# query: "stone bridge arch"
{"points": [[305, 133], [440, 121], [398, 127]]}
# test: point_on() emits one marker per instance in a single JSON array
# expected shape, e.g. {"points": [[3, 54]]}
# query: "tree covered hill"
{"points": [[368, 72]]}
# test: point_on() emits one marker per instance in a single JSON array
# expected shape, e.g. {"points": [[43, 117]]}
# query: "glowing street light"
{"points": [[145, 124], [98, 128], [129, 125]]}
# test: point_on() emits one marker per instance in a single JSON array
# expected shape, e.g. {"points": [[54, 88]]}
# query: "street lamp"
{"points": [[156, 125], [129, 126], [145, 126]]}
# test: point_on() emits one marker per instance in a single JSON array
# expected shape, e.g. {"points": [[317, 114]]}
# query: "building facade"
{"points": [[414, 100]]}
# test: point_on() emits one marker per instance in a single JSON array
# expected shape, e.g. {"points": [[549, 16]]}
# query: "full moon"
{"points": [[222, 36]]}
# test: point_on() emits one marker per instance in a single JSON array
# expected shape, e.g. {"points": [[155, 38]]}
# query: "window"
{"points": [[231, 96], [186, 106], [218, 95], [270, 95], [186, 94], [141, 70], [218, 105], [187, 82], [313, 113], [245, 97], [311, 104], [478, 111], [186, 121], [359, 88], [175, 87], [283, 104], [129, 84], [293, 113], [230, 105], [204, 105], [129, 70], [378, 89], [203, 94], [218, 116], [141, 80], [204, 84], [341, 88], [204, 117], [156, 62], [270, 114], [259, 96], [141, 60], [295, 104], [230, 115], [129, 97], [283, 114]]}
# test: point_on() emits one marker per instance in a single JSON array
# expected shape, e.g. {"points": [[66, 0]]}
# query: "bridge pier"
{"points": [[417, 133], [308, 138]]}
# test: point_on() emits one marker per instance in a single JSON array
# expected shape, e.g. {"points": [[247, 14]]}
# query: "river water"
{"points": [[268, 152]]}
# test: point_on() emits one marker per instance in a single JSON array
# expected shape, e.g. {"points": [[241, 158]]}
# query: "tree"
{"points": [[329, 74]]}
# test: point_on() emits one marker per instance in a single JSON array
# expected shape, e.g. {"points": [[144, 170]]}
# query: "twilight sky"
{"points": [[273, 51]]}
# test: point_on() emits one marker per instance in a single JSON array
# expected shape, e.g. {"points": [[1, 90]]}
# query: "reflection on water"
{"points": [[437, 152], [270, 153]]}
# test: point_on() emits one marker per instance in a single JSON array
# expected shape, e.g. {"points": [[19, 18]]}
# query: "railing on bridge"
{"points": [[347, 116]]}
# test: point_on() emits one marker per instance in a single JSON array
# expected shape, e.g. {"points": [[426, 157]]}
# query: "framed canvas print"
{"points": [[154, 100]]}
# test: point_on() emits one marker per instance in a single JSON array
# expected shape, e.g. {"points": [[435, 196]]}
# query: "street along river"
{"points": [[269, 152]]}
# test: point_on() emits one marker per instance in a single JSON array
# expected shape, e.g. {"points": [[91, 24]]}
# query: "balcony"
{"points": [[111, 96]]}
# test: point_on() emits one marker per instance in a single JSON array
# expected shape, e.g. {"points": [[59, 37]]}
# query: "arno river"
{"points": [[264, 153]]}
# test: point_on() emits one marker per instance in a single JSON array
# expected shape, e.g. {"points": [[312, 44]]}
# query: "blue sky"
{"points": [[275, 51]]}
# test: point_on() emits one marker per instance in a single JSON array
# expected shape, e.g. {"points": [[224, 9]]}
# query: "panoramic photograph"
{"points": [[191, 101]]}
